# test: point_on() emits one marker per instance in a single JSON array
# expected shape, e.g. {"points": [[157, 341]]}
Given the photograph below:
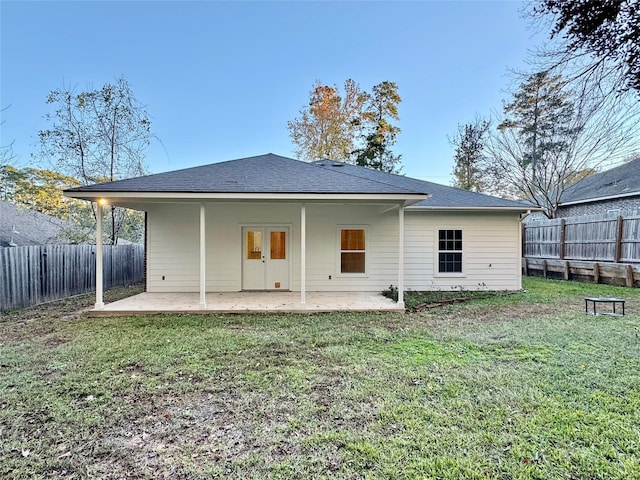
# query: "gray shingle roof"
{"points": [[20, 226], [261, 174], [623, 180], [441, 195], [276, 174]]}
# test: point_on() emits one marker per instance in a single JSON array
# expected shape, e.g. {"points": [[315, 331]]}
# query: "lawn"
{"points": [[522, 386]]}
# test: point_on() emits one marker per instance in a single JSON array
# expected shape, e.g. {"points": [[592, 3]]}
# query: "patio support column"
{"points": [[401, 255], [303, 254], [99, 265], [203, 258]]}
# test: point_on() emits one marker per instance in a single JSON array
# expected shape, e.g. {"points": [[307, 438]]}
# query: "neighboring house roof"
{"points": [[618, 182], [274, 174], [20, 226]]}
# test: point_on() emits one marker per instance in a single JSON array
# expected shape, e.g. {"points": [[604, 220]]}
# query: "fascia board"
{"points": [[168, 196], [477, 209]]}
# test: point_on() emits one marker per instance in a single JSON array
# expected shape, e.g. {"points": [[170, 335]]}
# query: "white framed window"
{"points": [[352, 253], [449, 252]]}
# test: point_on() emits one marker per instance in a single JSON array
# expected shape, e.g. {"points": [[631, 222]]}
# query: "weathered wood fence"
{"points": [[625, 274], [598, 248], [599, 238], [33, 275]]}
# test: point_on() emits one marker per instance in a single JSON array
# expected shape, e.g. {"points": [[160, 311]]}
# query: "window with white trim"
{"points": [[353, 252], [450, 251]]}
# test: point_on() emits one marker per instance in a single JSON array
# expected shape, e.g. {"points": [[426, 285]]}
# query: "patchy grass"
{"points": [[509, 386]]}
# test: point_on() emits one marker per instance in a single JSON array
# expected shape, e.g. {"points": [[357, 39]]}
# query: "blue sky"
{"points": [[220, 80]]}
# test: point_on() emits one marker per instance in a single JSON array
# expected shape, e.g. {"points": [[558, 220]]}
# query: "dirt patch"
{"points": [[54, 342], [210, 429]]}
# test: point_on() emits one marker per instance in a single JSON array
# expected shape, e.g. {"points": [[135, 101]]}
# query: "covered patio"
{"points": [[247, 302]]}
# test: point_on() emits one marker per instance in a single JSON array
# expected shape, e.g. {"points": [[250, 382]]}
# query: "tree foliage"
{"points": [[97, 136], [379, 134], [608, 31], [327, 126], [541, 113], [469, 142], [354, 128], [548, 137], [39, 190]]}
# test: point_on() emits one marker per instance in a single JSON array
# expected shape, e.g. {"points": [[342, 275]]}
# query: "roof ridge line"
{"points": [[369, 179]]}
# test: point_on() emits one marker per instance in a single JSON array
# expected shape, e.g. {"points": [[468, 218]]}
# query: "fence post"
{"points": [[596, 272], [618, 240], [563, 237]]}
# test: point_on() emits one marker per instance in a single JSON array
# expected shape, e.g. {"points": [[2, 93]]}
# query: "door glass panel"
{"points": [[278, 245], [254, 245]]}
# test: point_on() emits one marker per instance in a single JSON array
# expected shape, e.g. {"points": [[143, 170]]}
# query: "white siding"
{"points": [[323, 261], [172, 248], [491, 250], [173, 243]]}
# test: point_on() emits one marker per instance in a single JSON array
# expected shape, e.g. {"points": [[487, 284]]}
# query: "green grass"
{"points": [[519, 386]]}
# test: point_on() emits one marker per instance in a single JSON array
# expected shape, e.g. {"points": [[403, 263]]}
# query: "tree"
{"points": [[380, 134], [469, 141], [541, 113], [327, 127], [606, 31], [355, 128], [6, 151], [97, 136], [39, 190], [548, 136]]}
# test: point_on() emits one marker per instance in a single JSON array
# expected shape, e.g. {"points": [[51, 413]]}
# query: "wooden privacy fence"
{"points": [[33, 275], [598, 238]]}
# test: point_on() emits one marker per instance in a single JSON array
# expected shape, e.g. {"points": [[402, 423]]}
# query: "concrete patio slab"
{"points": [[247, 302]]}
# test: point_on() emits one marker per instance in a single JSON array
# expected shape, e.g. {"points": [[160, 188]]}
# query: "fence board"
{"points": [[37, 274], [590, 238]]}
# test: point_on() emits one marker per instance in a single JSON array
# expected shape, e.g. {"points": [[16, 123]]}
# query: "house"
{"points": [[20, 227], [615, 191], [271, 223]]}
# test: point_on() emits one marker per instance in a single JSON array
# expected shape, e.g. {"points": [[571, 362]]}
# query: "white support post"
{"points": [[401, 256], [203, 258], [99, 264], [303, 254]]}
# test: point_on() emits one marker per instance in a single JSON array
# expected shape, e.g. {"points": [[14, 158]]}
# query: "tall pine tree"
{"points": [[534, 152], [379, 134], [469, 140]]}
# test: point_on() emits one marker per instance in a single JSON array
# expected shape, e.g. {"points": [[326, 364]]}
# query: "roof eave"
{"points": [[477, 208], [407, 198]]}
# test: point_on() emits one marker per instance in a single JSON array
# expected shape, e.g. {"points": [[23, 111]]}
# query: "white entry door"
{"points": [[265, 258]]}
